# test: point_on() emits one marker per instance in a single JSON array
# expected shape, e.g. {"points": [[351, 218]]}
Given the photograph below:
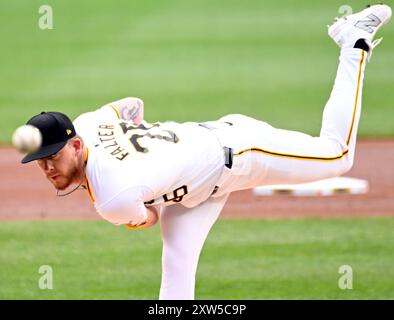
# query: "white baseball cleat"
{"points": [[361, 25]]}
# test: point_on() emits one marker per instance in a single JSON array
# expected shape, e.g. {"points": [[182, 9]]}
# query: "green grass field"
{"points": [[242, 259], [188, 60]]}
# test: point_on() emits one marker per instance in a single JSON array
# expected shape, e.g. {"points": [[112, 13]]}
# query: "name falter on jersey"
{"points": [[106, 134]]}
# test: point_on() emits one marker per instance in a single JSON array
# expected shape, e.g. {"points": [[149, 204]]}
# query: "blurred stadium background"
{"points": [[192, 60]]}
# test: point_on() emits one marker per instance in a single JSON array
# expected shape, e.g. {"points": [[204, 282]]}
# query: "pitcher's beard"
{"points": [[72, 182], [61, 185]]}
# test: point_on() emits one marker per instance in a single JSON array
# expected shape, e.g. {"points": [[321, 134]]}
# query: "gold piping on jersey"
{"points": [[284, 155], [141, 226], [357, 91], [88, 189], [301, 157], [116, 110], [87, 155]]}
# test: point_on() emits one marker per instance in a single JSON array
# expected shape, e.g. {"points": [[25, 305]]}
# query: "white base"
{"points": [[326, 187]]}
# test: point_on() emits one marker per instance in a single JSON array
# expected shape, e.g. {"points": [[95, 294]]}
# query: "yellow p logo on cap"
{"points": [[68, 132]]}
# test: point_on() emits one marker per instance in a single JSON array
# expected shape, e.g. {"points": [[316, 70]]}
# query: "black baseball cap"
{"points": [[56, 129]]}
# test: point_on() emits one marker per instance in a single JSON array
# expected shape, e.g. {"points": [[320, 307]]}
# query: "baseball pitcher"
{"points": [[137, 172]]}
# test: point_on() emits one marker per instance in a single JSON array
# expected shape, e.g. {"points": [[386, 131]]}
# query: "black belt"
{"points": [[228, 152], [228, 156]]}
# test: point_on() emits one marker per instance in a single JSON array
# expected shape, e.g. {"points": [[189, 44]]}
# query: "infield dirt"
{"points": [[27, 195]]}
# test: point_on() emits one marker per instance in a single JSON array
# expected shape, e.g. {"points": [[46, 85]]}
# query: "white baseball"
{"points": [[27, 139]]}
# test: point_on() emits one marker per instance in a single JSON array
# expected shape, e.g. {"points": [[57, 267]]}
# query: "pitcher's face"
{"points": [[61, 168]]}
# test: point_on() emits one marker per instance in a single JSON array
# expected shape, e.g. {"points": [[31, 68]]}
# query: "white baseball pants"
{"points": [[264, 155]]}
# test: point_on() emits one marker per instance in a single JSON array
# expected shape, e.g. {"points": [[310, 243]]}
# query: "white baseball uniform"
{"points": [[182, 169], [132, 166]]}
